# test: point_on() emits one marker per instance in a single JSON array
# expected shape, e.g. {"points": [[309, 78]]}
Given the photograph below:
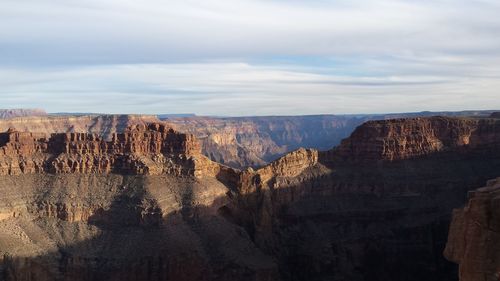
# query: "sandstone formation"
{"points": [[474, 237], [102, 125], [400, 139], [141, 206], [21, 112], [255, 141], [386, 219], [146, 204]]}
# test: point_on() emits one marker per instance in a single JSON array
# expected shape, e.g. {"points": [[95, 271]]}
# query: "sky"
{"points": [[250, 57]]}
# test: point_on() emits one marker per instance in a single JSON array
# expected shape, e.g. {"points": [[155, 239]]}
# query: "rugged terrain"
{"points": [[474, 238], [238, 142], [146, 204], [103, 125], [255, 141]]}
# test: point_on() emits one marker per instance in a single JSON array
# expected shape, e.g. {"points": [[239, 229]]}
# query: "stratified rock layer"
{"points": [[140, 206], [474, 237], [255, 141], [147, 205], [152, 149], [400, 139]]}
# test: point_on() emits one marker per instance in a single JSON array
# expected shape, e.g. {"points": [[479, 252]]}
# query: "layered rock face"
{"points": [[141, 206], [474, 237], [255, 141], [103, 125], [152, 149], [386, 217], [147, 205], [400, 139]]}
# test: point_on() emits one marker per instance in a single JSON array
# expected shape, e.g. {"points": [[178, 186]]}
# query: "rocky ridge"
{"points": [[102, 125], [307, 216], [241, 142], [142, 149], [400, 139]]}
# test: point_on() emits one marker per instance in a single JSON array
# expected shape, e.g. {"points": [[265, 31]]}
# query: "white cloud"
{"points": [[249, 56], [121, 31], [238, 89]]}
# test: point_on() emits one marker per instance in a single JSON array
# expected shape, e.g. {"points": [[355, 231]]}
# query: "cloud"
{"points": [[238, 89], [152, 31], [234, 57]]}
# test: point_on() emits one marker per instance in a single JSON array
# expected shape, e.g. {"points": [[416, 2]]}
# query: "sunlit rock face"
{"points": [[140, 206], [146, 204]]}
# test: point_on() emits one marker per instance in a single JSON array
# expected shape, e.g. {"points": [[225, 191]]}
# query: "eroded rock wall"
{"points": [[400, 139], [474, 236]]}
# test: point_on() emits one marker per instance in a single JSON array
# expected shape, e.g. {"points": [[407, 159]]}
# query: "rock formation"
{"points": [[146, 204], [102, 125], [400, 139], [140, 206], [474, 237], [240, 142], [152, 149], [382, 217]]}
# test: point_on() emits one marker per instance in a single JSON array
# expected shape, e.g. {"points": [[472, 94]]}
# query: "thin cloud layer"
{"points": [[244, 57]]}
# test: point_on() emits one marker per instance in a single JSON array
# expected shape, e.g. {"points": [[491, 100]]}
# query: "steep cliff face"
{"points": [[141, 206], [103, 125], [145, 204], [151, 149], [385, 218], [255, 141], [400, 139], [474, 237]]}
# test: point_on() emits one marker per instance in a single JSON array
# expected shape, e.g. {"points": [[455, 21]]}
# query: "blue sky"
{"points": [[242, 57]]}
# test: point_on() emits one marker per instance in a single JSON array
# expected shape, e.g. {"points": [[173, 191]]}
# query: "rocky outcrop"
{"points": [[21, 112], [328, 218], [241, 142], [145, 204], [409, 138], [103, 125], [474, 237], [151, 149]]}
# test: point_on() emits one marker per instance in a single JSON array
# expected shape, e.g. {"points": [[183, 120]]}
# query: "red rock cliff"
{"points": [[474, 237], [142, 149], [408, 138]]}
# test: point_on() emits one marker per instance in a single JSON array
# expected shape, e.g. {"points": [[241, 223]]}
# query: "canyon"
{"points": [[147, 204], [238, 142]]}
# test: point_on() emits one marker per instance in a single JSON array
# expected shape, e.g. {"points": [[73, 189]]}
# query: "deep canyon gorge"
{"points": [[129, 197]]}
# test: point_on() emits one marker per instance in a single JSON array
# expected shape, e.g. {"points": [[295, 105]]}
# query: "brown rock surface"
{"points": [[147, 205], [103, 125], [474, 237], [141, 206], [255, 141], [400, 139], [151, 149]]}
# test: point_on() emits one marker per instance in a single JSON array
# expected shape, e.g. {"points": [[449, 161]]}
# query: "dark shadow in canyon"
{"points": [[361, 222]]}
